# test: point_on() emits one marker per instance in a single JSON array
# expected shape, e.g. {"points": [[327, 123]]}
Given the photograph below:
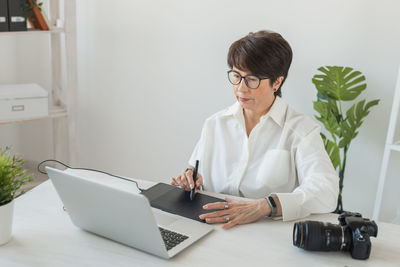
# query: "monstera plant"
{"points": [[335, 85]]}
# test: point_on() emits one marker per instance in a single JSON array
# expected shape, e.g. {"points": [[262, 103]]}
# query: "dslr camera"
{"points": [[351, 234]]}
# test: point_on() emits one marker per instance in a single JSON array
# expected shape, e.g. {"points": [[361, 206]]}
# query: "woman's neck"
{"points": [[252, 117]]}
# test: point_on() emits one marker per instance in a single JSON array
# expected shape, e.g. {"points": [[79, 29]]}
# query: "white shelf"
{"points": [[391, 144], [54, 112], [395, 146], [62, 73], [34, 31]]}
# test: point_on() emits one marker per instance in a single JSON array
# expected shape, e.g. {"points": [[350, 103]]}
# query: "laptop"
{"points": [[123, 216]]}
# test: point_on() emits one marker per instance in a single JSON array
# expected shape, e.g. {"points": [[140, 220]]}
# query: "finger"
{"points": [[216, 220], [183, 173], [181, 183], [189, 178], [214, 205], [229, 200], [173, 181], [178, 180], [213, 214], [199, 181], [229, 224], [184, 179], [234, 203], [185, 183]]}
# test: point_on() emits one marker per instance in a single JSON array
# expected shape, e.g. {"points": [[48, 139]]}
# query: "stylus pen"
{"points": [[196, 168]]}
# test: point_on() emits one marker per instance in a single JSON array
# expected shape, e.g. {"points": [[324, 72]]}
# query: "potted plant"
{"points": [[335, 85], [12, 177], [33, 12]]}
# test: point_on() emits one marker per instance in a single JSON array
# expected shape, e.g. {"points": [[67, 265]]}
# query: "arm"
{"points": [[238, 212], [317, 191], [318, 181], [185, 178]]}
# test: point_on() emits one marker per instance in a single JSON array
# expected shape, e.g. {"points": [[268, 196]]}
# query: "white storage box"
{"points": [[23, 101]]}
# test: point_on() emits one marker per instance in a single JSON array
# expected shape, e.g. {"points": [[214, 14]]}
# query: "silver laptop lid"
{"points": [[123, 216]]}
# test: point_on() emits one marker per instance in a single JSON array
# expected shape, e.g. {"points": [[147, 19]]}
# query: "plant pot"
{"points": [[6, 218], [39, 22]]}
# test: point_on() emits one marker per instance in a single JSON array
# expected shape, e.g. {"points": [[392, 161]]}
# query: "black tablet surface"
{"points": [[175, 200]]}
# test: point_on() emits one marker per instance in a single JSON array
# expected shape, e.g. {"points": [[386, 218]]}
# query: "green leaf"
{"points": [[372, 103], [321, 97], [339, 83], [333, 151], [328, 117], [354, 119]]}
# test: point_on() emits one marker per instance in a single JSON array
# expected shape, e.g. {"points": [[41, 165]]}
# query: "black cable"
{"points": [[65, 165]]}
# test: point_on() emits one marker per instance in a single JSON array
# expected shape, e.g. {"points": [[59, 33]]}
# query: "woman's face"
{"points": [[257, 100]]}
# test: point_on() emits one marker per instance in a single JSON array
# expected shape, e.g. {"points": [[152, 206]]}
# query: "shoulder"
{"points": [[301, 125], [223, 114]]}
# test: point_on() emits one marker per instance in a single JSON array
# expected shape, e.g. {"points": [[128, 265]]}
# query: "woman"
{"points": [[259, 147]]}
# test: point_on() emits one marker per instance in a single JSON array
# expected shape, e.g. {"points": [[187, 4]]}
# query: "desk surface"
{"points": [[43, 235]]}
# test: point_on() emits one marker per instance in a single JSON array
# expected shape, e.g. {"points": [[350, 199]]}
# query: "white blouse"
{"points": [[284, 156]]}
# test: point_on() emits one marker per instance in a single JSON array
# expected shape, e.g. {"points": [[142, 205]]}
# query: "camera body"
{"points": [[361, 230], [351, 234]]}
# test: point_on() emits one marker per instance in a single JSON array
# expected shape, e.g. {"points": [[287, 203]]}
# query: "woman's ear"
{"points": [[278, 83]]}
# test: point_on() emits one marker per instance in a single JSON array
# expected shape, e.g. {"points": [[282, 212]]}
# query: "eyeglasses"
{"points": [[251, 81]]}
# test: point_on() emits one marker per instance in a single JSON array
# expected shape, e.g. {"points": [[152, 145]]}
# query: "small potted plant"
{"points": [[12, 177], [33, 12]]}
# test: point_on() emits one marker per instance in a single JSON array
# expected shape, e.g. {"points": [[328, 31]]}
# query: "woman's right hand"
{"points": [[185, 179]]}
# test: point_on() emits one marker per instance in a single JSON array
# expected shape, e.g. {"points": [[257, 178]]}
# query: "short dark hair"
{"points": [[265, 54]]}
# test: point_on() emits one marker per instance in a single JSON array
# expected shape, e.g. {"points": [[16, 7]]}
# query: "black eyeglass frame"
{"points": [[245, 80]]}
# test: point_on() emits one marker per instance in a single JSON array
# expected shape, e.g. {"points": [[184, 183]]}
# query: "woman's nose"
{"points": [[242, 86]]}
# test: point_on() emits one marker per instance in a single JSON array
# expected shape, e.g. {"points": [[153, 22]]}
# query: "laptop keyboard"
{"points": [[171, 239]]}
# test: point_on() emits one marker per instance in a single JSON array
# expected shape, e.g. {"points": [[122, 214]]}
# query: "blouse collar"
{"points": [[277, 112]]}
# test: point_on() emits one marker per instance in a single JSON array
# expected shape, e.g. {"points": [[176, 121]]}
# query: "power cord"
{"points": [[87, 169]]}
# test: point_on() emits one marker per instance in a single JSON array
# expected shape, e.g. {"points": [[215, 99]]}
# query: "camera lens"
{"points": [[318, 236]]}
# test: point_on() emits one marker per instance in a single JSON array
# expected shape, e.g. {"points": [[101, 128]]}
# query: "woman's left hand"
{"points": [[232, 212]]}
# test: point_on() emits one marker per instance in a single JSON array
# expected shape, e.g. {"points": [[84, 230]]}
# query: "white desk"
{"points": [[43, 235]]}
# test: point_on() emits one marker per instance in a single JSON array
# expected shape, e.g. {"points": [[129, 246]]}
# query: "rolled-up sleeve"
{"points": [[318, 181]]}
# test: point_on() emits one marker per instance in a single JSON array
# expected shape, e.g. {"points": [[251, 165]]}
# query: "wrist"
{"points": [[272, 205], [266, 209]]}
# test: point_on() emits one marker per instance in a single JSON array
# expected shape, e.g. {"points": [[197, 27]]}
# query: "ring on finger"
{"points": [[226, 205], [227, 218]]}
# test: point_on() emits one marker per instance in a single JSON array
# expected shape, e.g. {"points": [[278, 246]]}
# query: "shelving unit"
{"points": [[56, 112], [391, 145], [63, 75], [395, 146], [53, 30]]}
